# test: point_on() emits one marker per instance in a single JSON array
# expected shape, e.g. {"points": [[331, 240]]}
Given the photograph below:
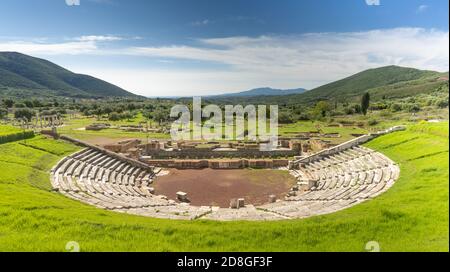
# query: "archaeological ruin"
{"points": [[120, 178]]}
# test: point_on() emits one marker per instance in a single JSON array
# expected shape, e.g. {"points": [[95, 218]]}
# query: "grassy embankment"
{"points": [[411, 216]]}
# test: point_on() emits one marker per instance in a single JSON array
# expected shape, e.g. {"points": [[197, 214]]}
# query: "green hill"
{"points": [[20, 72], [389, 80]]}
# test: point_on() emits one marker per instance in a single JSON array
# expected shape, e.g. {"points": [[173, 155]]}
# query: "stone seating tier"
{"points": [[333, 183]]}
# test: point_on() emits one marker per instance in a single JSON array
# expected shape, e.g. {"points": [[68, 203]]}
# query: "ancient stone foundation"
{"points": [[327, 182], [218, 164]]}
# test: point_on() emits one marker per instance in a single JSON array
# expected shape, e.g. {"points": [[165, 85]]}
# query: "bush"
{"points": [[24, 113], [442, 103], [385, 113], [285, 118], [16, 137], [114, 116], [3, 113], [414, 108], [349, 110], [396, 107], [372, 122]]}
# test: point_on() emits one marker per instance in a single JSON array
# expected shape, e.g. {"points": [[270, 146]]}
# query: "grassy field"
{"points": [[411, 216], [8, 129]]}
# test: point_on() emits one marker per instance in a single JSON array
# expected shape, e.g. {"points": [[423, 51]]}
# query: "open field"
{"points": [[8, 129], [411, 216], [254, 185]]}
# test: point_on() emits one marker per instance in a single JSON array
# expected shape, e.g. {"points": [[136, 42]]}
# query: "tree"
{"points": [[98, 112], [285, 118], [3, 113], [28, 103], [321, 109], [365, 103], [9, 103], [114, 116], [147, 114], [24, 113]]}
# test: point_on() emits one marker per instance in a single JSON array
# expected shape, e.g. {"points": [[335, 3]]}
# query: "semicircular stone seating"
{"points": [[335, 182]]}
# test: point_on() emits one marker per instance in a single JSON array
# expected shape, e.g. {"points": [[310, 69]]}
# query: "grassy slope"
{"points": [[7, 129], [412, 216], [385, 78]]}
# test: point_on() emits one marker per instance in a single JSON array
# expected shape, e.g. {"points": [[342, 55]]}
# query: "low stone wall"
{"points": [[206, 153], [133, 162], [123, 146], [344, 146], [217, 164]]}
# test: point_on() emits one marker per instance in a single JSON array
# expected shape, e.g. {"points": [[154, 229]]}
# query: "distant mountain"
{"points": [[262, 92], [19, 72]]}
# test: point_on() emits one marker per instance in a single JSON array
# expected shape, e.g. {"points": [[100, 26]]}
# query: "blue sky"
{"points": [[168, 47]]}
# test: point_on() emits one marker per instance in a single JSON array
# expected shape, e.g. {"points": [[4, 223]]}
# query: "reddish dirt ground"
{"points": [[211, 187]]}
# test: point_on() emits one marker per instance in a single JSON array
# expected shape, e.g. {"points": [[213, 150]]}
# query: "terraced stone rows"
{"points": [[95, 178], [341, 181]]}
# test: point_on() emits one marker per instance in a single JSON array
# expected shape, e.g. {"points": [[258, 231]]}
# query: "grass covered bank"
{"points": [[411, 216]]}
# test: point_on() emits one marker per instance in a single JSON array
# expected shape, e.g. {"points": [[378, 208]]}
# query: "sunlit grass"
{"points": [[411, 216]]}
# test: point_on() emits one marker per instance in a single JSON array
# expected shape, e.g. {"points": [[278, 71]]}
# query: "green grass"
{"points": [[8, 129], [73, 126], [411, 216]]}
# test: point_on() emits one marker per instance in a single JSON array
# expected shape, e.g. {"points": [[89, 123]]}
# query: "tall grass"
{"points": [[411, 216]]}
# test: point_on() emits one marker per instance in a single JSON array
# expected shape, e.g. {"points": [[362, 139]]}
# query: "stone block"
{"points": [[182, 196], [241, 203], [272, 198], [234, 204]]}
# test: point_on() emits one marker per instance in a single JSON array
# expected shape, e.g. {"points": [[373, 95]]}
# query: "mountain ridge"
{"points": [[264, 91], [19, 71]]}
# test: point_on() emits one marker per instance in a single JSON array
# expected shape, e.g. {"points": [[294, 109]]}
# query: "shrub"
{"points": [[24, 113], [442, 103], [3, 113], [396, 107], [114, 116], [16, 137], [414, 108], [285, 118], [372, 122]]}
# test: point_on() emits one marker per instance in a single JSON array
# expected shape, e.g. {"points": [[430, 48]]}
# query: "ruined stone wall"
{"points": [[123, 147], [208, 153], [217, 164]]}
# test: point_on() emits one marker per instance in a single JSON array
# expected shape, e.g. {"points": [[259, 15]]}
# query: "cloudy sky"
{"points": [[199, 47]]}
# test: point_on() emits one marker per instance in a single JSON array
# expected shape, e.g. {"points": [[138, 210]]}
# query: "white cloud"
{"points": [[45, 49], [307, 60], [201, 23], [355, 51], [422, 8], [107, 38]]}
